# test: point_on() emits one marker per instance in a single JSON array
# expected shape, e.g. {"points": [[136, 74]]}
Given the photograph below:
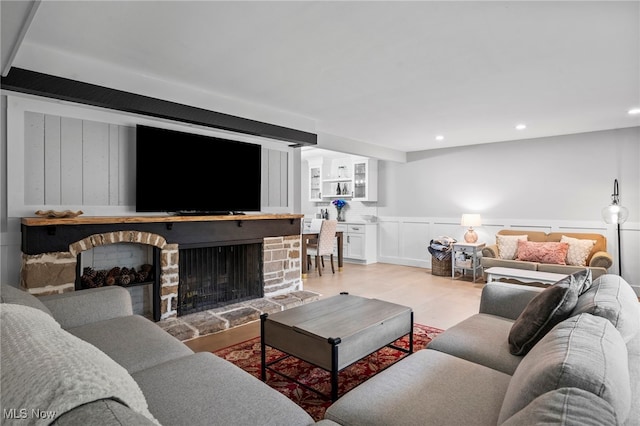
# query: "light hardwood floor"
{"points": [[436, 301]]}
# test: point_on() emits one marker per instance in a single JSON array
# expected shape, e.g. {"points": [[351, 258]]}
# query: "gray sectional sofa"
{"points": [[82, 358], [584, 371]]}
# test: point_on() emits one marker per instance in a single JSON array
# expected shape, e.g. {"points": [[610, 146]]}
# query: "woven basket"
{"points": [[441, 268]]}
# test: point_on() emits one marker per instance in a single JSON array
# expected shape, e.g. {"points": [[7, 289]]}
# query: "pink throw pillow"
{"points": [[532, 251]]}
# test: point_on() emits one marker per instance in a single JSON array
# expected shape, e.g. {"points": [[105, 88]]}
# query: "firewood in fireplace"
{"points": [[123, 276]]}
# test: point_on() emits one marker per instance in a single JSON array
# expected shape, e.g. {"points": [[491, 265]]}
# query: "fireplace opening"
{"points": [[211, 277]]}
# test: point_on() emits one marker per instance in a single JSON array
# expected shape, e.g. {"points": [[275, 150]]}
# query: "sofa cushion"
{"points": [[77, 308], [532, 251], [545, 310], [45, 367], [565, 406], [427, 387], [508, 245], [585, 352], [133, 341], [490, 262], [579, 250], [10, 294], [203, 389], [569, 269], [611, 297], [482, 339]]}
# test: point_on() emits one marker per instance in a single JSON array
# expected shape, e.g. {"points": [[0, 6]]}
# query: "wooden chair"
{"points": [[325, 245]]}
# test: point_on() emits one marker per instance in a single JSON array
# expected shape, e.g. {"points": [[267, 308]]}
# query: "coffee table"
{"points": [[522, 275], [334, 333]]}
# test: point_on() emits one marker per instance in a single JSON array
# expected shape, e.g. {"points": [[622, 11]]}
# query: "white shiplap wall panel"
{"points": [[52, 165], [126, 166], [114, 169], [274, 178], [264, 178], [104, 185], [284, 179], [71, 161], [34, 158], [95, 163]]}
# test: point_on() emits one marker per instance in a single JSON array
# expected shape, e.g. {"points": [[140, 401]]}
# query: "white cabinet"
{"points": [[315, 180], [345, 177], [365, 180], [359, 242]]}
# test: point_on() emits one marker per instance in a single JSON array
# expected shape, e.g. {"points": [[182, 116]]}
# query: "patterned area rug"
{"points": [[246, 355]]}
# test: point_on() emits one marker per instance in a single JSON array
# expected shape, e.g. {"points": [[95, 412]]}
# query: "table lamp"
{"points": [[471, 220]]}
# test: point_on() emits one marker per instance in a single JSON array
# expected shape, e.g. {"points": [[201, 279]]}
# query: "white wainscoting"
{"points": [[404, 240]]}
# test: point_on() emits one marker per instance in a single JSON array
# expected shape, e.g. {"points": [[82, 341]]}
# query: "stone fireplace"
{"points": [[57, 271]]}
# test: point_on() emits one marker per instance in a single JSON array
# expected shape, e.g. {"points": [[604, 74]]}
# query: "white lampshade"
{"points": [[471, 220]]}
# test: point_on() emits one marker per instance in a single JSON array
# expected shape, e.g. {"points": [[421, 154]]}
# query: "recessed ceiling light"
{"points": [[439, 138], [521, 126], [634, 111]]}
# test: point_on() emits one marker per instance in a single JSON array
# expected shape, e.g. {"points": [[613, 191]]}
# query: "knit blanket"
{"points": [[46, 371]]}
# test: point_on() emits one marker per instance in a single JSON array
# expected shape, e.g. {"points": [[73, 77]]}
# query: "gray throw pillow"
{"points": [[611, 297], [547, 309], [584, 352]]}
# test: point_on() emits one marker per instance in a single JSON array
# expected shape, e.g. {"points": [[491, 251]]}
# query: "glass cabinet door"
{"points": [[315, 184], [360, 180]]}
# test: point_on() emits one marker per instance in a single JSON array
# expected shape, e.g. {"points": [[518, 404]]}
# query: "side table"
{"points": [[466, 257]]}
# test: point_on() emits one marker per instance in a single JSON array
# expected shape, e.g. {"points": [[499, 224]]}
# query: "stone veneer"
{"points": [[50, 273]]}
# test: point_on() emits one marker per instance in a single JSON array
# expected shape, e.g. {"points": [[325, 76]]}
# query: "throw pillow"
{"points": [[508, 245], [583, 352], [611, 297], [44, 366], [554, 253], [551, 306], [578, 250]]}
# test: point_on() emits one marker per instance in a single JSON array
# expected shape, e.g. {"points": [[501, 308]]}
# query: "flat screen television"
{"points": [[187, 173]]}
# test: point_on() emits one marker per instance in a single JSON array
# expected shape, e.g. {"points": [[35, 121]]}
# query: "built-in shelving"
{"points": [[358, 175]]}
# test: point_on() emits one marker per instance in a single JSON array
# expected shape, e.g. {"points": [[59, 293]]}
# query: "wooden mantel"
{"points": [[44, 235], [94, 220]]}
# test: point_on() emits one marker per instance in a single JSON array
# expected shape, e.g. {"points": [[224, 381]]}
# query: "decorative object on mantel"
{"points": [[471, 220], [58, 214], [340, 204], [616, 214]]}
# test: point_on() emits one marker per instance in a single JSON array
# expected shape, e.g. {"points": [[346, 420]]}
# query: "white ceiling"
{"points": [[388, 73]]}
